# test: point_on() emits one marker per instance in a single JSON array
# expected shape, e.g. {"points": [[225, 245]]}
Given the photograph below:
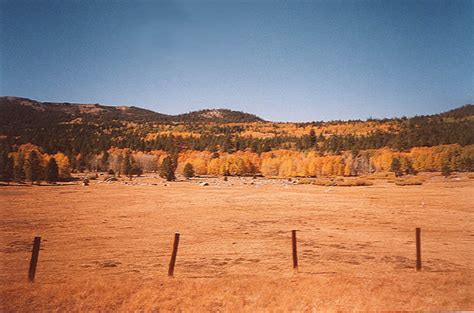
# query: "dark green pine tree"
{"points": [[409, 168], [445, 169], [83, 162], [396, 167], [8, 169], [51, 172], [126, 167], [167, 169], [3, 162], [188, 170], [33, 170], [19, 168], [312, 138], [104, 161], [174, 161], [227, 145]]}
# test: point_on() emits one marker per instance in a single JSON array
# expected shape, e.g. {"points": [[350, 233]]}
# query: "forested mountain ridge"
{"points": [[27, 112], [461, 112], [98, 137], [93, 128]]}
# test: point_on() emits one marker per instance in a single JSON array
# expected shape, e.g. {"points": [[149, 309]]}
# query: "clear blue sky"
{"points": [[282, 60]]}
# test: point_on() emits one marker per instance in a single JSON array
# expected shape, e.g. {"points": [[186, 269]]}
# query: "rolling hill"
{"points": [[26, 112]]}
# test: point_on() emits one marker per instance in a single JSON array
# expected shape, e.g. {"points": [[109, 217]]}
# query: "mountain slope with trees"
{"points": [[131, 140], [25, 112]]}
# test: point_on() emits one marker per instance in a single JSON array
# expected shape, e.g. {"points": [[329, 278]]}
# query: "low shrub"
{"points": [[306, 181], [408, 181], [335, 181], [355, 183]]}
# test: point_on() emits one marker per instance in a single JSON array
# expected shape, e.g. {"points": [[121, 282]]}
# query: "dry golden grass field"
{"points": [[106, 247]]}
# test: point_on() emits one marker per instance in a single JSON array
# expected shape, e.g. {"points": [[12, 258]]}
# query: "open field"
{"points": [[106, 247]]}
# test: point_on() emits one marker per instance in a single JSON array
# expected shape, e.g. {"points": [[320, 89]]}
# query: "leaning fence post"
{"points": [[418, 249], [34, 259], [173, 255], [295, 254]]}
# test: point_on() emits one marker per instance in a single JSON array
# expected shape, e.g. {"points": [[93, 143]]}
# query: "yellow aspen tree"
{"points": [[64, 165], [213, 167]]}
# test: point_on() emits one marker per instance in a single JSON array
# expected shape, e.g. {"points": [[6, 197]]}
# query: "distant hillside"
{"points": [[16, 111], [91, 129], [22, 111], [464, 111], [218, 115], [26, 112]]}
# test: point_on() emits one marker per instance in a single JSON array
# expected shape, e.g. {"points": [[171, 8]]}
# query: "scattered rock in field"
{"points": [[203, 183], [85, 182], [110, 179]]}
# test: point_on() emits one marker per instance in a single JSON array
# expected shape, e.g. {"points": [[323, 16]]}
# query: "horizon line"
{"points": [[234, 110]]}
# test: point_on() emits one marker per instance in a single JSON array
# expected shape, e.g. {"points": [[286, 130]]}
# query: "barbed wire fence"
{"points": [[299, 253]]}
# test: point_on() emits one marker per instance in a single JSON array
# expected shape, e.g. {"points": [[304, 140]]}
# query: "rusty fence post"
{"points": [[418, 249], [295, 254], [173, 255], [34, 259]]}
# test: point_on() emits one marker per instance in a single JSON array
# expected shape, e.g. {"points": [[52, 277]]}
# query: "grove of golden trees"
{"points": [[29, 163]]}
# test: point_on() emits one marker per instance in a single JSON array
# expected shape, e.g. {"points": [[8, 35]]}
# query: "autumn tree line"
{"points": [[30, 163]]}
